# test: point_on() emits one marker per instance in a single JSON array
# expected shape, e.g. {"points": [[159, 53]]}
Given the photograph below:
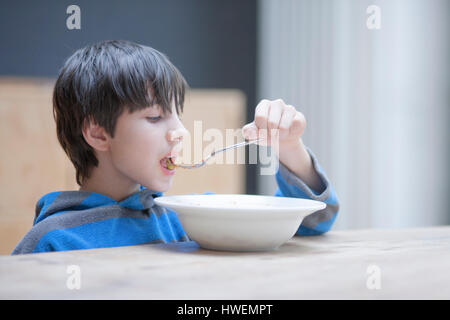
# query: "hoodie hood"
{"points": [[62, 201]]}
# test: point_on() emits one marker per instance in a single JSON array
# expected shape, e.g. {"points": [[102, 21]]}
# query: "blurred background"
{"points": [[376, 99]]}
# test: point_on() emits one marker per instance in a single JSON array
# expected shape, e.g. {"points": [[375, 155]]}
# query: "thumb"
{"points": [[250, 131]]}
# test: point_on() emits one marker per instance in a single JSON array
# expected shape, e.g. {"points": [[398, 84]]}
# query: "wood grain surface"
{"points": [[412, 264]]}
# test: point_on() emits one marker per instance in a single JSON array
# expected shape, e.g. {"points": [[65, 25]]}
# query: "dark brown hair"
{"points": [[99, 81]]}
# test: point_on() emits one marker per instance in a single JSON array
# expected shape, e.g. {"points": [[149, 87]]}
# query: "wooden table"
{"points": [[355, 264]]}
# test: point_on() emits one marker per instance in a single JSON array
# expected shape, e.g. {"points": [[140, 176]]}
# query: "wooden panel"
{"points": [[32, 163]]}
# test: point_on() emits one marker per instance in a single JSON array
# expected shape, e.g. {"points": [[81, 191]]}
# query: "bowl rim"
{"points": [[314, 204]]}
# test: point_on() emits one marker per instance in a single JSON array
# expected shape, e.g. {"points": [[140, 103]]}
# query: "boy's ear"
{"points": [[95, 135]]}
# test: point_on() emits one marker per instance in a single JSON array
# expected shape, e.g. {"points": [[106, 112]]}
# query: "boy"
{"points": [[116, 107]]}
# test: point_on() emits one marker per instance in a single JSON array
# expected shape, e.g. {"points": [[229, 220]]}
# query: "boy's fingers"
{"points": [[286, 121], [250, 131], [261, 114], [275, 117], [275, 112], [298, 124]]}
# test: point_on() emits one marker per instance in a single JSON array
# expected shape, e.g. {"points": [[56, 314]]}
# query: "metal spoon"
{"points": [[201, 164]]}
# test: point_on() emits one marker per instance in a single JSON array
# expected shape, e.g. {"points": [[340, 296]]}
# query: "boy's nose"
{"points": [[176, 135]]}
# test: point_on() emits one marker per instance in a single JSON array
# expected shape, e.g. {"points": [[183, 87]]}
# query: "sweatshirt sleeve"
{"points": [[289, 185]]}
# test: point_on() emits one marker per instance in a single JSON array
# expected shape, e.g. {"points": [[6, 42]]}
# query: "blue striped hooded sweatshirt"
{"points": [[73, 220]]}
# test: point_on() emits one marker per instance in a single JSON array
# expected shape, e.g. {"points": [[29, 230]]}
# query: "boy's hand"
{"points": [[289, 124]]}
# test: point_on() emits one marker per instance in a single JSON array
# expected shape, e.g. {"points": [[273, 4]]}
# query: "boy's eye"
{"points": [[154, 119]]}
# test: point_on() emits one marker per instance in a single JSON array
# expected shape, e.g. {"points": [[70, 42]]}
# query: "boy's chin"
{"points": [[161, 186]]}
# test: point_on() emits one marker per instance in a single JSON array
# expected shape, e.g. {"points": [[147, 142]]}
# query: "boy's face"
{"points": [[141, 140]]}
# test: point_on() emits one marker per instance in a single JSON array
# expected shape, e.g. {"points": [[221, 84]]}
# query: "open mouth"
{"points": [[168, 163]]}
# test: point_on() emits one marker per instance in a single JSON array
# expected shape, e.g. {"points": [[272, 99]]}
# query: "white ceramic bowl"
{"points": [[239, 222]]}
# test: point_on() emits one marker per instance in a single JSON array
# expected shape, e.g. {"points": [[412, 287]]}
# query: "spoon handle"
{"points": [[218, 151], [241, 144]]}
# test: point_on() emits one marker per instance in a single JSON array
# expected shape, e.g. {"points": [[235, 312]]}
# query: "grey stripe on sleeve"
{"points": [[312, 220], [72, 219], [292, 179]]}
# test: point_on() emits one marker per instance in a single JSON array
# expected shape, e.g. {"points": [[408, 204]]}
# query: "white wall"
{"points": [[376, 101]]}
